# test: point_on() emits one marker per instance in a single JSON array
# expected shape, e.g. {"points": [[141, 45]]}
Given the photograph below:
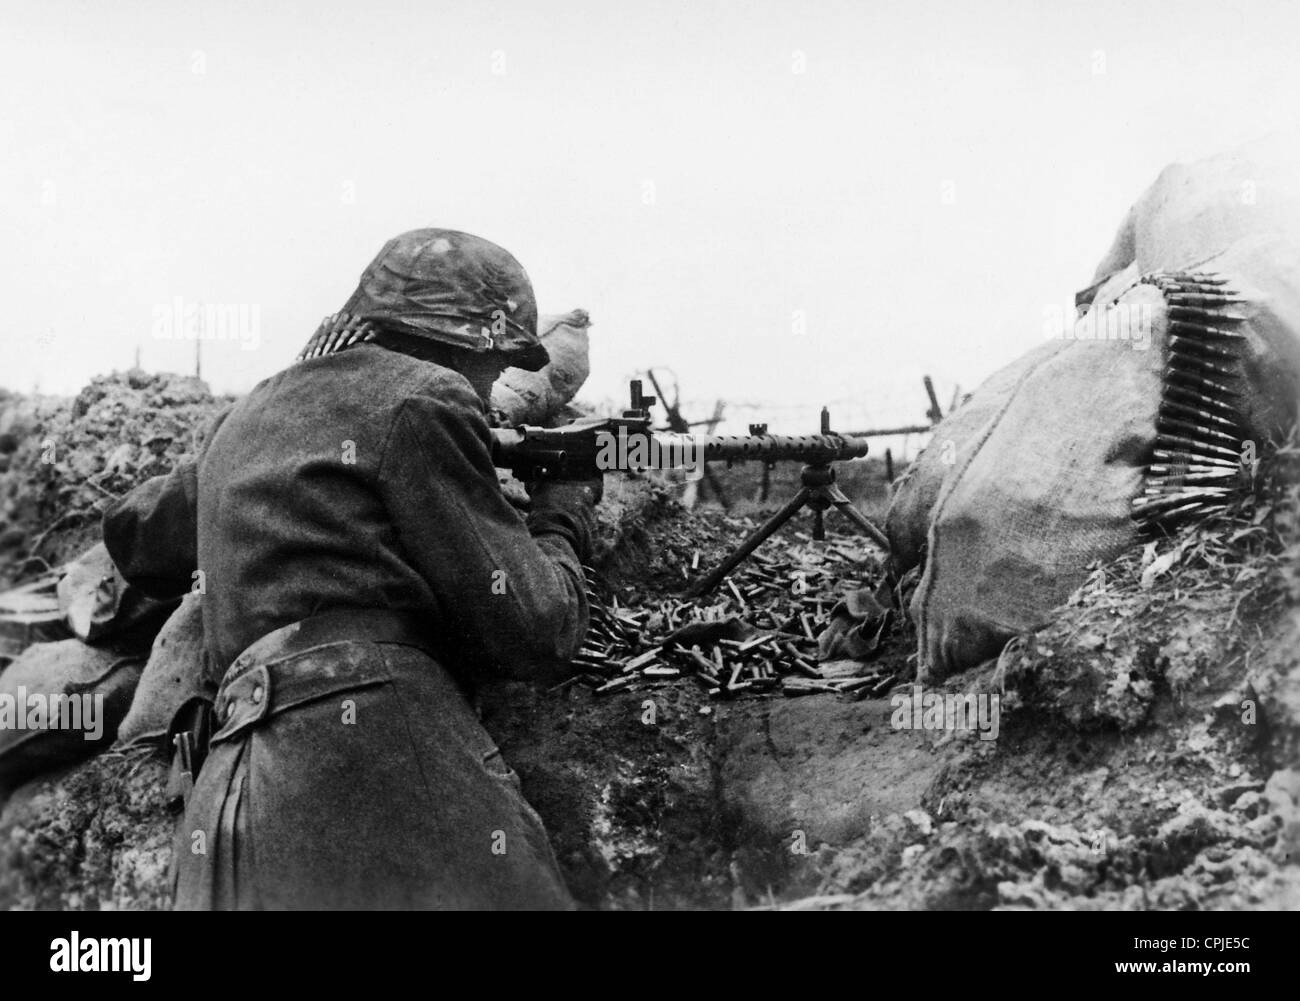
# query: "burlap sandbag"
{"points": [[1265, 270], [28, 746], [1194, 211], [521, 397], [1044, 490], [173, 675], [908, 521], [1046, 485]]}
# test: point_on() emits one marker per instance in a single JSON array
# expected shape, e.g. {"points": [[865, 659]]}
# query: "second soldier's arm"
{"points": [[152, 532]]}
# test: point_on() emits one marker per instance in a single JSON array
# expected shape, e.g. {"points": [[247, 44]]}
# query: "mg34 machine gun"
{"points": [[588, 448]]}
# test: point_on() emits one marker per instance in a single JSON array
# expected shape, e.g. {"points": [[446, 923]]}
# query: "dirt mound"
{"points": [[1152, 741], [66, 459], [96, 838]]}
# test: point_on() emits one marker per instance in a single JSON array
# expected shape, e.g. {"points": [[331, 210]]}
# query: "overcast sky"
{"points": [[792, 202]]}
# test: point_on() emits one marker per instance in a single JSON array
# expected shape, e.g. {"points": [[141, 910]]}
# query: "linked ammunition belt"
{"points": [[336, 333], [1198, 463]]}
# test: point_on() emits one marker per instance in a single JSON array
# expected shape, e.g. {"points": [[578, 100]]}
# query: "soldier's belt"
{"points": [[273, 674]]}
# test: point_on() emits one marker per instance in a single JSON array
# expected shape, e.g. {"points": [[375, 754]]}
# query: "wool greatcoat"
{"points": [[359, 568]]}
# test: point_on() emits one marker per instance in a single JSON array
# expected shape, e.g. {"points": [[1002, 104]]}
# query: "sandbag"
{"points": [[173, 676], [98, 603], [1191, 214], [1195, 211], [1265, 271], [1047, 470], [1046, 489], [907, 522], [50, 675], [522, 397]]}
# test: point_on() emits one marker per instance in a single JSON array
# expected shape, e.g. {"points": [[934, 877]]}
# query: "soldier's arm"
{"points": [[510, 591]]}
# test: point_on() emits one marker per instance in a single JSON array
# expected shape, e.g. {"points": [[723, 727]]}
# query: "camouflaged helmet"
{"points": [[453, 288]]}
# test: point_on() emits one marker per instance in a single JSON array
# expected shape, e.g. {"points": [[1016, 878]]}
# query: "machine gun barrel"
{"points": [[591, 446], [571, 453], [814, 449]]}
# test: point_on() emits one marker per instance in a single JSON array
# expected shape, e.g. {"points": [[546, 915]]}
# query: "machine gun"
{"points": [[590, 447]]}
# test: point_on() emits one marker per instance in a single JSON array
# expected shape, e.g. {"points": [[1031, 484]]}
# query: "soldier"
{"points": [[359, 568]]}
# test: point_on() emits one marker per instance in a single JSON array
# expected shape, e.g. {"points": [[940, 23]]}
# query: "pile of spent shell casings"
{"points": [[784, 602]]}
